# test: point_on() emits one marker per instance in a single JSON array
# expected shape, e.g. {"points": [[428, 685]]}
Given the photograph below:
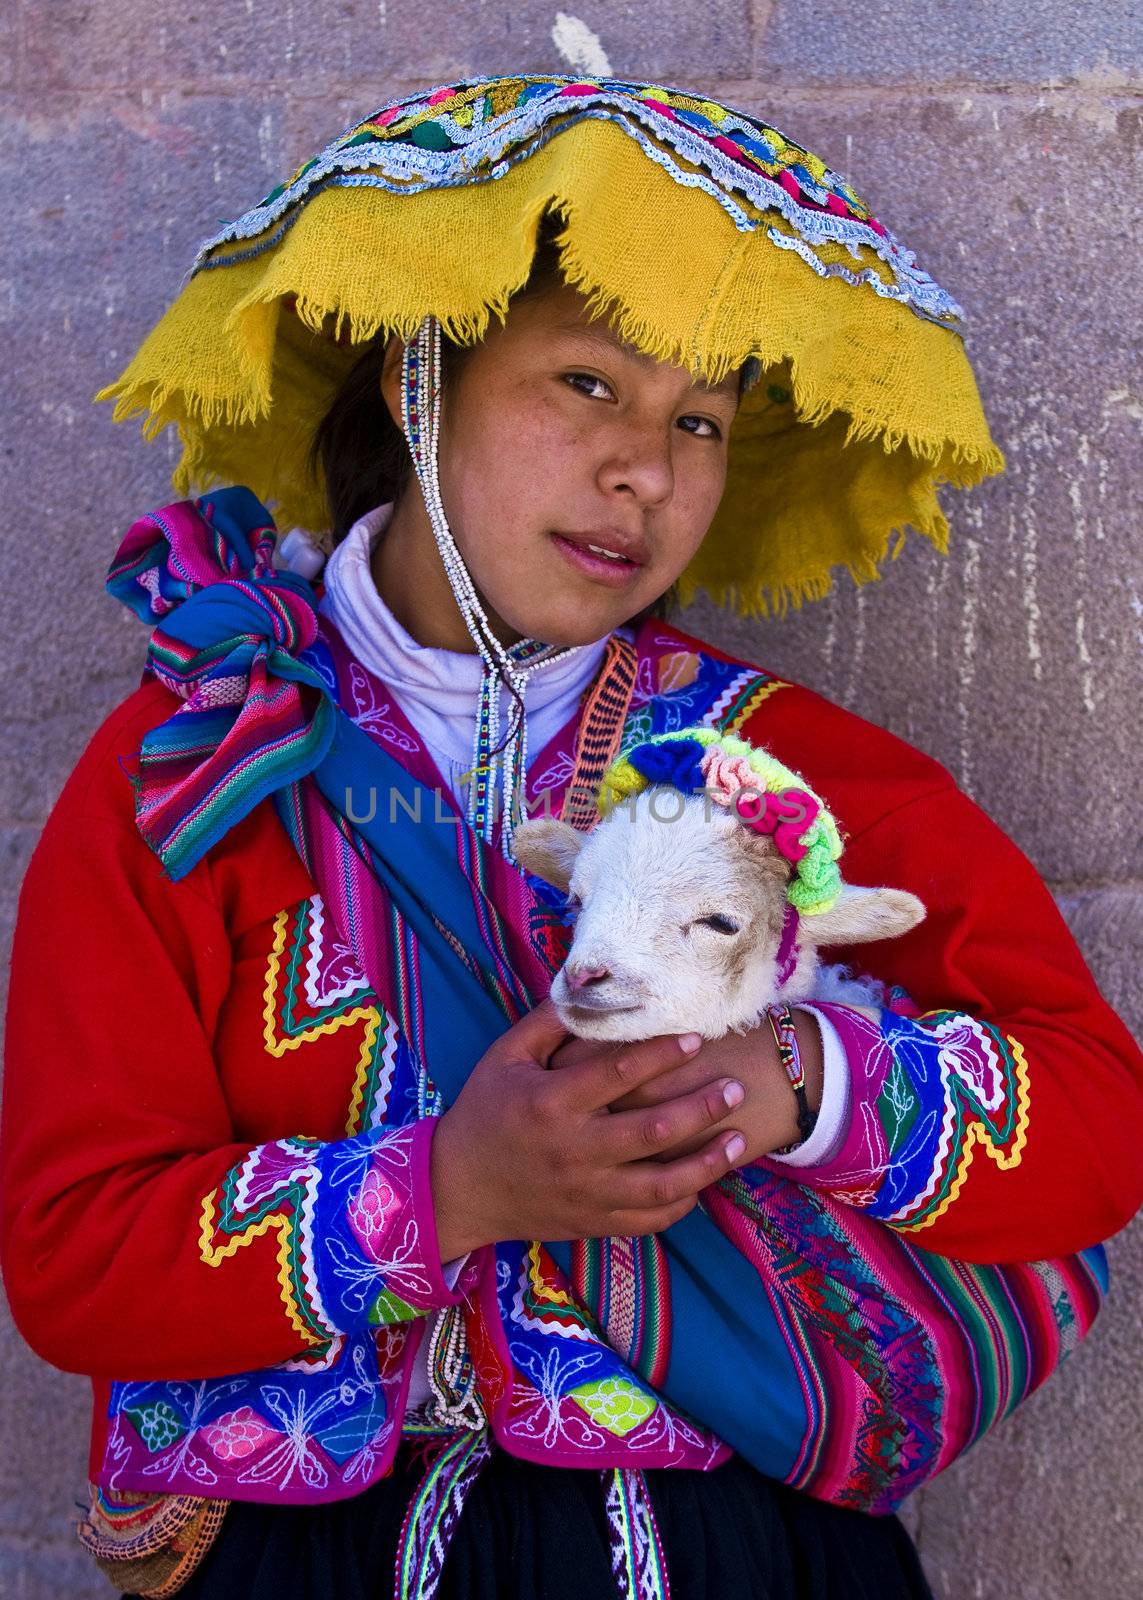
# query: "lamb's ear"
{"points": [[548, 847], [860, 916]]}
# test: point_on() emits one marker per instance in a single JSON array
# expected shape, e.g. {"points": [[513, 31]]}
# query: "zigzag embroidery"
{"points": [[318, 990], [260, 1195], [373, 1079], [966, 1139], [740, 699], [277, 997], [376, 1056], [538, 1303], [294, 1193]]}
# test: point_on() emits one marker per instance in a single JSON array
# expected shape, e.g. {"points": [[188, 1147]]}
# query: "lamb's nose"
{"points": [[579, 977]]}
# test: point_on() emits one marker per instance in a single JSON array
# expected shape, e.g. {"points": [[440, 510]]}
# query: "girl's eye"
{"points": [[720, 923], [704, 428], [587, 383], [597, 388]]}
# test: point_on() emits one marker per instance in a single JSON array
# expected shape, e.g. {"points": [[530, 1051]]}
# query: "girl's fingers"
{"points": [[669, 1085], [590, 1085], [537, 1035], [655, 1185], [636, 1224], [626, 1136]]}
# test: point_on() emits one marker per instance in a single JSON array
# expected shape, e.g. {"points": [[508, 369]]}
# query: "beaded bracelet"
{"points": [[781, 1020]]}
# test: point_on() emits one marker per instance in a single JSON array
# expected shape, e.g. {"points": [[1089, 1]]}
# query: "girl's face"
{"points": [[556, 436]]}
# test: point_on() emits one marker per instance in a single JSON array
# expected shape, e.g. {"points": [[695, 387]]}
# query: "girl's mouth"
{"points": [[616, 570]]}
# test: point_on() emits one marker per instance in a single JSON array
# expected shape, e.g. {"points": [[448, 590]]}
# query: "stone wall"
{"points": [[998, 138]]}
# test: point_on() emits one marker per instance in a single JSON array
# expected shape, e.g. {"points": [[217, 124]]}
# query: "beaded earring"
{"points": [[421, 420]]}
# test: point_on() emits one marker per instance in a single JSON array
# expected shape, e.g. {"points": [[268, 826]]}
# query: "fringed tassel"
{"points": [[433, 1515], [637, 1563]]}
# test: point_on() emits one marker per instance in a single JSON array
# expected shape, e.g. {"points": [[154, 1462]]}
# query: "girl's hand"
{"points": [[768, 1118], [527, 1153]]}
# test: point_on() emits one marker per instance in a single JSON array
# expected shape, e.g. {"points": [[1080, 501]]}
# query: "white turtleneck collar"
{"points": [[437, 689]]}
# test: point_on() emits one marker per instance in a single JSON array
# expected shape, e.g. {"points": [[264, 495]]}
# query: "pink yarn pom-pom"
{"points": [[726, 774], [785, 816]]}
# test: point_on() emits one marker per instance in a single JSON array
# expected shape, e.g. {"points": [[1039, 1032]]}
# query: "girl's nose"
{"points": [[642, 467]]}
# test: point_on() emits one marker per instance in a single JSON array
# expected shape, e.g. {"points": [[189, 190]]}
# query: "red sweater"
{"points": [[158, 1030]]}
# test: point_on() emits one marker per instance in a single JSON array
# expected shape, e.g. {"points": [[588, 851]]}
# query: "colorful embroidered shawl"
{"points": [[827, 1349]]}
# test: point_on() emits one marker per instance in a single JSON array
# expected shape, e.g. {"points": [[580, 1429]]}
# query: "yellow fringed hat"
{"points": [[710, 238]]}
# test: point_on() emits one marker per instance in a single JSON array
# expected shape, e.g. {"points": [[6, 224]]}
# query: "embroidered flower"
{"points": [[157, 1424], [372, 1209], [236, 1435], [614, 1404]]}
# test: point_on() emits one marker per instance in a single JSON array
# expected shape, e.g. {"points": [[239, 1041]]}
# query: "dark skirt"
{"points": [[540, 1533]]}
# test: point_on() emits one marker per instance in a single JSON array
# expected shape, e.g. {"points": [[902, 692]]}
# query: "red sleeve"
{"points": [[122, 1184], [1005, 1122]]}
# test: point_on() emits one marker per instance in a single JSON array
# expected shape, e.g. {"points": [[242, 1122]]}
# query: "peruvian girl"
{"points": [[384, 1281]]}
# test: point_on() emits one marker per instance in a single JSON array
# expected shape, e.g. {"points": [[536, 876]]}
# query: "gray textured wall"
{"points": [[998, 137]]}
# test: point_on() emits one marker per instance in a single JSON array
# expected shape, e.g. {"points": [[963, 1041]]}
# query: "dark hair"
{"points": [[363, 455]]}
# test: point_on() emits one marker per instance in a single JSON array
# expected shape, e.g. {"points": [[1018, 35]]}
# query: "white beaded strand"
{"points": [[420, 418]]}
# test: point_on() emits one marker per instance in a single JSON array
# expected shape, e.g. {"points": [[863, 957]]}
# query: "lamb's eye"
{"points": [[574, 903], [720, 923]]}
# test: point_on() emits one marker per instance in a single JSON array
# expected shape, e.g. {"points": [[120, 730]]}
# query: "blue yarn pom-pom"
{"points": [[674, 761]]}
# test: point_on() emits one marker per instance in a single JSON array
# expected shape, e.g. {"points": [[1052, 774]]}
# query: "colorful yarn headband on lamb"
{"points": [[763, 793]]}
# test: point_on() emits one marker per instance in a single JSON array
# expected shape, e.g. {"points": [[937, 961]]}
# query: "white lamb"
{"points": [[688, 893]]}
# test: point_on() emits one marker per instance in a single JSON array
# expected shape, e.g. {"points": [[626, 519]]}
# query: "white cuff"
{"points": [[835, 1099]]}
